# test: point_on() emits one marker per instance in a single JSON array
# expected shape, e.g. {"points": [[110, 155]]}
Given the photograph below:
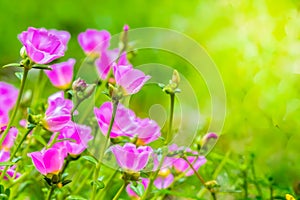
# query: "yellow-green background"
{"points": [[255, 45]]}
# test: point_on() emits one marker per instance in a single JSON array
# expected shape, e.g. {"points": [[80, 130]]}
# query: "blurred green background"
{"points": [[255, 45]]}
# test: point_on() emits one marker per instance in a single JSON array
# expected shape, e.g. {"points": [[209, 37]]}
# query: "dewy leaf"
{"points": [[19, 75], [75, 197], [139, 189], [12, 65], [91, 159]]}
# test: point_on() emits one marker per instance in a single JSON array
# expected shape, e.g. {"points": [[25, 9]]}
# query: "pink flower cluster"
{"points": [[8, 97], [95, 42], [127, 124], [73, 138]]}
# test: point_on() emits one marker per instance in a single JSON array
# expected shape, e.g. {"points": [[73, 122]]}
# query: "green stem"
{"points": [[169, 134], [213, 194], [168, 138], [255, 179], [40, 84], [50, 193], [116, 197], [53, 141], [108, 185], [15, 110], [82, 181], [98, 166], [15, 152]]}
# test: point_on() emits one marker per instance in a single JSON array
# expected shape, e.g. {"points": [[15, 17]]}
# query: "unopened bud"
{"points": [[79, 85], [23, 52], [175, 77]]}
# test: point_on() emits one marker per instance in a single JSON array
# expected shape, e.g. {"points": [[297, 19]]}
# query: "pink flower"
{"points": [[64, 36], [124, 124], [131, 158], [43, 46], [58, 113], [130, 79], [94, 41], [48, 161], [131, 193], [10, 137], [180, 165], [106, 59], [147, 131], [8, 96], [61, 74], [4, 155], [80, 134], [164, 179]]}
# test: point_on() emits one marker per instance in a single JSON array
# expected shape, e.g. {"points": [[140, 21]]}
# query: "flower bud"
{"points": [[23, 52]]}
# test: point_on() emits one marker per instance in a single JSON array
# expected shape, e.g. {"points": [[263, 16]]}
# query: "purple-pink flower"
{"points": [[107, 58], [124, 124], [4, 157], [58, 113], [79, 136], [130, 158], [130, 79], [9, 139], [164, 179], [43, 46], [61, 74], [131, 193], [94, 41], [8, 98], [48, 161], [147, 131], [180, 165]]}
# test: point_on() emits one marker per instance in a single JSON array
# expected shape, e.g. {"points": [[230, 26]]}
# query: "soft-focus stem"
{"points": [[213, 194], [108, 185], [98, 166], [15, 110], [50, 193], [39, 86], [15, 152], [53, 141], [169, 134], [116, 197]]}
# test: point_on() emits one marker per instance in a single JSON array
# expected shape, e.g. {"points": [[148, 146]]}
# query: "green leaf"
{"points": [[12, 65], [6, 163], [38, 66], [138, 189], [40, 139], [3, 196], [91, 159], [19, 75], [15, 160], [100, 184]]}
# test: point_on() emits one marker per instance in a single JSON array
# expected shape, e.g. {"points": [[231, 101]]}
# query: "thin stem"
{"points": [[15, 152], [116, 197], [255, 178], [53, 141], [108, 184], [168, 138], [83, 181], [15, 110], [98, 166], [50, 193], [169, 134], [213, 194]]}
